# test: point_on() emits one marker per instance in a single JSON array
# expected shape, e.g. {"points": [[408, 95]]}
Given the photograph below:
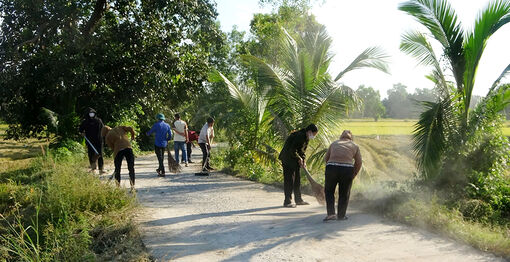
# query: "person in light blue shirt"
{"points": [[163, 135]]}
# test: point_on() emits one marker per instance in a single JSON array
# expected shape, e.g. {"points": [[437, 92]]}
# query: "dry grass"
{"points": [[18, 153], [366, 127]]}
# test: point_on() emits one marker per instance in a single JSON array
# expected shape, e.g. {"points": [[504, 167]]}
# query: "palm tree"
{"points": [[448, 120], [300, 90]]}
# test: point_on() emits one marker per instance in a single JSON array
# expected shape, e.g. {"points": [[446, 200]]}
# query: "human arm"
{"points": [[169, 134], [129, 130], [357, 162], [153, 128], [299, 148], [328, 154], [186, 133]]}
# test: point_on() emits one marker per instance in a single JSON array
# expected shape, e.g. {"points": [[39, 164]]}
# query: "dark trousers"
{"points": [[188, 150], [291, 182], [130, 159], [341, 176], [94, 159], [160, 153], [206, 154]]}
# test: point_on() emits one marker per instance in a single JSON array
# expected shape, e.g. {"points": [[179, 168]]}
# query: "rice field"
{"points": [[367, 127]]}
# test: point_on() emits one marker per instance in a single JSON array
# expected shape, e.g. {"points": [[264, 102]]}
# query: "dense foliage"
{"points": [[127, 59], [459, 147]]}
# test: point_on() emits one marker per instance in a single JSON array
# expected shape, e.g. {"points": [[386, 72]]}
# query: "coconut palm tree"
{"points": [[448, 120], [300, 90]]}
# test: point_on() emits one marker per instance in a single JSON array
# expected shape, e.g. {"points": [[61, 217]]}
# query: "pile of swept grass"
{"points": [[52, 210]]}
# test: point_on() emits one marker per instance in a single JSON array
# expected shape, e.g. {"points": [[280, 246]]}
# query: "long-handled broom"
{"points": [[173, 166], [317, 189]]}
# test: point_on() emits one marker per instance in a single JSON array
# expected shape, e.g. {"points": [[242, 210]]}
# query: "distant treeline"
{"points": [[399, 103]]}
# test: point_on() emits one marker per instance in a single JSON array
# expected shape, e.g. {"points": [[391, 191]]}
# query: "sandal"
{"points": [[330, 217]]}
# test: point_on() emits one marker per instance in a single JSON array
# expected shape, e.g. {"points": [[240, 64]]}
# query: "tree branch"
{"points": [[99, 9], [36, 38]]}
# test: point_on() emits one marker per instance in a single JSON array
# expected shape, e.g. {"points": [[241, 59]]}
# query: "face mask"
{"points": [[92, 114]]}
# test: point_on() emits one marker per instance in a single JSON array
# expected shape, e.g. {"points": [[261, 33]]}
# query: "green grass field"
{"points": [[366, 127]]}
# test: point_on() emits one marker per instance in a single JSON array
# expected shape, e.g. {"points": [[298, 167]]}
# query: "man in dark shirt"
{"points": [[293, 157], [91, 129]]}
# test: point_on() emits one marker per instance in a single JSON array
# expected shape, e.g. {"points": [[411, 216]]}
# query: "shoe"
{"points": [[186, 164], [158, 171], [102, 172], [302, 203], [343, 218], [289, 205], [330, 217], [161, 174], [191, 162], [210, 168]]}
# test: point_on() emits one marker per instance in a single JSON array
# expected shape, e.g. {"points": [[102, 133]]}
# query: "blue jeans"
{"points": [[182, 146]]}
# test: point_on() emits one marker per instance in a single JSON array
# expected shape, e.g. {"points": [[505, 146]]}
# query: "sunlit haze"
{"points": [[356, 25]]}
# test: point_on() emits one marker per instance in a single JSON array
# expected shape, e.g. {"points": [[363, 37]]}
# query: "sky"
{"points": [[355, 25]]}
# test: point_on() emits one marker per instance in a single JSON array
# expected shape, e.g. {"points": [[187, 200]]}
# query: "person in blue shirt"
{"points": [[163, 135]]}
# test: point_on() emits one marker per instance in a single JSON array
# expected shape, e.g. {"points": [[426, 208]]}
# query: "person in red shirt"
{"points": [[192, 136]]}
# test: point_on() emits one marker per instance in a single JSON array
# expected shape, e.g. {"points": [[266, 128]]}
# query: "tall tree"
{"points": [[127, 58]]}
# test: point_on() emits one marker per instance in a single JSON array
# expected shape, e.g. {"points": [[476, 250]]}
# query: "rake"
{"points": [[317, 189]]}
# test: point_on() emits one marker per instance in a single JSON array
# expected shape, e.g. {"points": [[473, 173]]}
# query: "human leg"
{"points": [[160, 154], [329, 188], [130, 159], [205, 155], [92, 157], [118, 163], [344, 189], [296, 186], [176, 151], [188, 151], [288, 172]]}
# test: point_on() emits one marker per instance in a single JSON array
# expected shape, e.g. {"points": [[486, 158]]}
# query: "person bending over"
{"points": [[340, 171], [118, 141], [293, 157]]}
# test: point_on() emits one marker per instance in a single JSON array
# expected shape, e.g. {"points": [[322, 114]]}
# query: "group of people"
{"points": [[343, 163], [95, 133], [343, 158]]}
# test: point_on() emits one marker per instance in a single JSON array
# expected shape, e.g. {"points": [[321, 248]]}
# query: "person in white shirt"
{"points": [[180, 139], [204, 141]]}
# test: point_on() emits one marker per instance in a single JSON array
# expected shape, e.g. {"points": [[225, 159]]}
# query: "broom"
{"points": [[173, 166], [317, 189]]}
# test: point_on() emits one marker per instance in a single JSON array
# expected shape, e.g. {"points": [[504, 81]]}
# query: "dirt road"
{"points": [[222, 218]]}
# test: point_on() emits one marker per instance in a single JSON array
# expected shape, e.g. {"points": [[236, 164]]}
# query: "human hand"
{"points": [[302, 163]]}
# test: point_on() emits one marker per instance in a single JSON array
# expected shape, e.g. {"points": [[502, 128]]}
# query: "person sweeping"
{"points": [[293, 157], [340, 171], [163, 134], [90, 128], [118, 141]]}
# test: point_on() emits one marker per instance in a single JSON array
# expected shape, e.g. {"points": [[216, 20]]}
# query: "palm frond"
{"points": [[442, 22], [372, 57], [429, 136], [493, 17], [503, 74], [416, 44]]}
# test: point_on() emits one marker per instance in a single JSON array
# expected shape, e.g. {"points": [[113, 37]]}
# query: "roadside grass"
{"points": [[53, 210]]}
